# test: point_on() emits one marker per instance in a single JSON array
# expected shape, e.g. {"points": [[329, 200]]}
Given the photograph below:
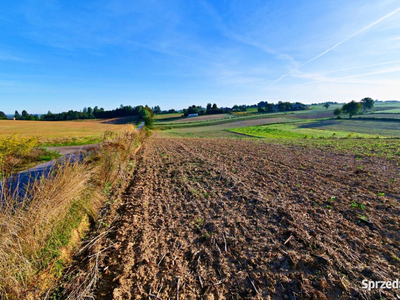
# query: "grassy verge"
{"points": [[40, 231]]}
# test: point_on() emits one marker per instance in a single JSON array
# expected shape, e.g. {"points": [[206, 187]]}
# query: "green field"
{"points": [[361, 137], [378, 116], [214, 122], [284, 126], [219, 130], [290, 131], [387, 147], [286, 130], [333, 128], [391, 111], [382, 128], [387, 104]]}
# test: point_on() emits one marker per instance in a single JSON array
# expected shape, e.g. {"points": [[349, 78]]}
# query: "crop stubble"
{"points": [[216, 219]]}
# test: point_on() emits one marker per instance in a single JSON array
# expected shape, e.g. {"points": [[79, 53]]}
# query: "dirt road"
{"points": [[233, 219]]}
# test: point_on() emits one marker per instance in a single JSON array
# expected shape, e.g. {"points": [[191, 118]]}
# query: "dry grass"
{"points": [[37, 229], [27, 225], [59, 133]]}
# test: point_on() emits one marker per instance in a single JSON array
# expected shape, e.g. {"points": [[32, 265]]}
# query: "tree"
{"points": [[24, 115], [157, 109], [352, 108], [261, 109], [150, 111], [262, 104], [17, 116], [148, 118], [284, 106], [367, 103], [90, 113], [237, 108], [326, 105], [337, 112], [3, 116], [193, 110], [269, 108]]}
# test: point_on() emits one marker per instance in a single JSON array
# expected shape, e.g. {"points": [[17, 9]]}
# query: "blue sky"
{"points": [[60, 55]]}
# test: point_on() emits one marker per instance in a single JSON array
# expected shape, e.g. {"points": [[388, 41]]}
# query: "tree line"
{"points": [[209, 110], [124, 111], [86, 113], [353, 108], [262, 107], [265, 107]]}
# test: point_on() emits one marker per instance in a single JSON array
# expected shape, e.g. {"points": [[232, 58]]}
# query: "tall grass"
{"points": [[35, 230]]}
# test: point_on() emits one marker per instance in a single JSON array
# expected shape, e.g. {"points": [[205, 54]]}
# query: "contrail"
{"points": [[353, 35], [365, 66], [280, 78], [340, 43], [372, 73]]}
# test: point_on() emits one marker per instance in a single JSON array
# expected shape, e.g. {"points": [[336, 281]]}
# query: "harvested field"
{"points": [[243, 219], [60, 133]]}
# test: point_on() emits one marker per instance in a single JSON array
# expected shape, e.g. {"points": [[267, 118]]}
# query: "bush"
{"points": [[337, 112]]}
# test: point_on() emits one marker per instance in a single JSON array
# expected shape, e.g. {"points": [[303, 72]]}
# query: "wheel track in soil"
{"points": [[186, 203]]}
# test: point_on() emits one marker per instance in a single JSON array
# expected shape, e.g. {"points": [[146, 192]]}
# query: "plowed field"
{"points": [[242, 219]]}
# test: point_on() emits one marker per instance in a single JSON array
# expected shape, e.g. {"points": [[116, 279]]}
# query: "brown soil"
{"points": [[241, 219]]}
